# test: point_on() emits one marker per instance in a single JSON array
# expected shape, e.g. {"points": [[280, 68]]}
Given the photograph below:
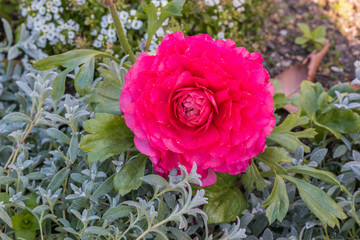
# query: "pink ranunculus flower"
{"points": [[199, 100]]}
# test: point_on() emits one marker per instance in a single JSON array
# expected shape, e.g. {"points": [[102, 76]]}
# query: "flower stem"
{"points": [[120, 31]]}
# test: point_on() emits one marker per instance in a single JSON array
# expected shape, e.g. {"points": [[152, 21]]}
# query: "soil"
{"points": [[343, 32]]}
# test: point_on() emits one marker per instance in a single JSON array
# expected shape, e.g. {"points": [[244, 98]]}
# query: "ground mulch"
{"points": [[341, 18]]}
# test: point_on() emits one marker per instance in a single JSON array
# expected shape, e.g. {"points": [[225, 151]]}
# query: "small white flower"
{"points": [[48, 4], [71, 34], [24, 12], [156, 3], [160, 32], [42, 39], [217, 2], [123, 16], [48, 17], [94, 32], [136, 24], [44, 28], [164, 3], [50, 36], [56, 16], [133, 12], [209, 3], [111, 33], [221, 35], [103, 31], [97, 44], [166, 22], [57, 3], [357, 64], [103, 24], [109, 19], [237, 3], [100, 37], [54, 9], [61, 9], [241, 9]]}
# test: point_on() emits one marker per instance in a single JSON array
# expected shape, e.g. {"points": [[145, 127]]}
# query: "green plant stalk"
{"points": [[120, 31]]}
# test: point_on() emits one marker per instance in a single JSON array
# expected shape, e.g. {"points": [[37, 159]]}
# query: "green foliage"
{"points": [[70, 60], [290, 140], [108, 136], [314, 39], [278, 201], [226, 201], [129, 177]]}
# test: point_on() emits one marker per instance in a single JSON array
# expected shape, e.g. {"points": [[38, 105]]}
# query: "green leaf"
{"points": [[25, 234], [58, 88], [280, 100], [277, 202], [301, 40], [106, 93], [308, 99], [325, 176], [84, 78], [272, 156], [58, 180], [4, 197], [225, 200], [70, 59], [305, 29], [25, 221], [319, 32], [283, 135], [321, 204], [339, 121], [16, 116], [103, 189], [108, 136], [58, 135], [115, 213], [323, 102], [5, 217], [6, 180], [129, 177], [252, 176]]}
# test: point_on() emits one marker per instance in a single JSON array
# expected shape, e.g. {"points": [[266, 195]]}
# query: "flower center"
{"points": [[193, 107]]}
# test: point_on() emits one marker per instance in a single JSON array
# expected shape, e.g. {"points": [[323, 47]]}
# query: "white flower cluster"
{"points": [[239, 5], [44, 16], [107, 33]]}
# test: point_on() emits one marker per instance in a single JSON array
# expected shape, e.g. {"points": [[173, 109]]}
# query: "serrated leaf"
{"points": [[283, 135], [278, 201], [108, 136], [58, 180], [272, 157], [280, 100], [252, 176], [321, 204], [308, 99], [225, 200], [129, 177]]}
